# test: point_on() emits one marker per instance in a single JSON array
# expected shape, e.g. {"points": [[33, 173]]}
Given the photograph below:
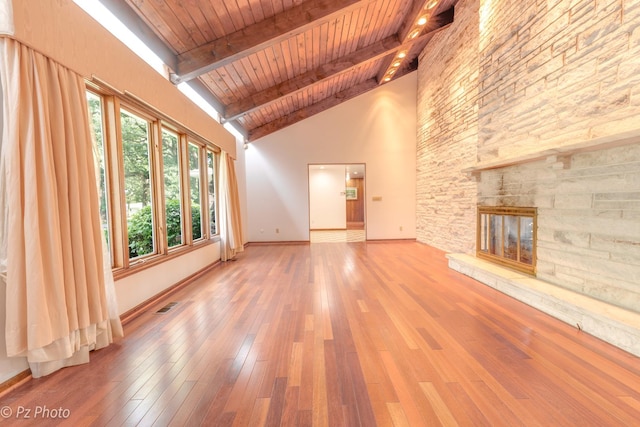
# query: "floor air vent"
{"points": [[166, 308]]}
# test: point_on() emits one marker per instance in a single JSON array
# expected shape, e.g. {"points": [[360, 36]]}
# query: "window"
{"points": [[138, 187], [172, 188], [211, 186], [194, 185], [157, 181], [96, 121]]}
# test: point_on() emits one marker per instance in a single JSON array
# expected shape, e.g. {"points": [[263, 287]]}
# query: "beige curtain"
{"points": [[60, 301], [231, 238]]}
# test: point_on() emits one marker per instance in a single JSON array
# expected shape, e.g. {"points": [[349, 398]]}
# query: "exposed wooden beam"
{"points": [[342, 65], [257, 37], [436, 22], [321, 106], [325, 71], [418, 8]]}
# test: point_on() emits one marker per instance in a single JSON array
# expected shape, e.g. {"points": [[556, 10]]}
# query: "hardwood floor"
{"points": [[343, 335]]}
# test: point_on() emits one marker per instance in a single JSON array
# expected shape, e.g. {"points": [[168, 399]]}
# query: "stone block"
{"points": [[608, 126], [592, 265], [559, 246], [569, 185], [573, 201], [573, 74], [572, 238], [570, 279], [582, 12], [617, 246], [617, 205], [592, 222]]}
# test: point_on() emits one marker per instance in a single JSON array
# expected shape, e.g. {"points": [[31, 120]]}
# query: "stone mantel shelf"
{"points": [[602, 143]]}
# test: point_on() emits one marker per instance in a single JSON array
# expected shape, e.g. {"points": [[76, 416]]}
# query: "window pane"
{"points": [[95, 117], [212, 190], [173, 205], [511, 237], [495, 237], [137, 184], [526, 240], [194, 180], [484, 237]]}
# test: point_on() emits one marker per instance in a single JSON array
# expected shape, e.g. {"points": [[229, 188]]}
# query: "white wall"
{"points": [[377, 128], [137, 288], [327, 199]]}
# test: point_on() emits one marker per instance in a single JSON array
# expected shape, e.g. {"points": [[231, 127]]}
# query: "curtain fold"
{"points": [[231, 235], [60, 301]]}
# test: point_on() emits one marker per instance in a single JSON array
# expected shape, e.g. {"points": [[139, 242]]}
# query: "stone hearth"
{"points": [[608, 322]]}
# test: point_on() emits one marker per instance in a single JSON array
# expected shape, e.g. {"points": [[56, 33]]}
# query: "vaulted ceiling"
{"points": [[266, 64]]}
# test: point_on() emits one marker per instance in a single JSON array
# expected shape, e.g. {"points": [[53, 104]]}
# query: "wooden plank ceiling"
{"points": [[271, 63]]}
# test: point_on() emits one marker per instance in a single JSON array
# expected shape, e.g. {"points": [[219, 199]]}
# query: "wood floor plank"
{"points": [[343, 334], [406, 397], [378, 397], [290, 408], [398, 417], [440, 407]]}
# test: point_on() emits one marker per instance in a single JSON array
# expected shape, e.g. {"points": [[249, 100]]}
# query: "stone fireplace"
{"points": [[538, 106], [585, 222], [588, 217]]}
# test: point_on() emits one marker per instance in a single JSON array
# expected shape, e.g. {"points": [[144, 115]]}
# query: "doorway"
{"points": [[337, 203]]}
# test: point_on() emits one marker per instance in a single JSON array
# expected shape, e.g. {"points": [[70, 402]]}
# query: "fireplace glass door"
{"points": [[506, 235]]}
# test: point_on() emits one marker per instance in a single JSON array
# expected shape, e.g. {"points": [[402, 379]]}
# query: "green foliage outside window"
{"points": [[141, 227]]}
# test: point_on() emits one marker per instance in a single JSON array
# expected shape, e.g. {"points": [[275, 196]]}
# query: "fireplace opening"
{"points": [[507, 236]]}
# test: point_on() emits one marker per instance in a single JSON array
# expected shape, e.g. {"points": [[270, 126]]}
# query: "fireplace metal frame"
{"points": [[501, 260]]}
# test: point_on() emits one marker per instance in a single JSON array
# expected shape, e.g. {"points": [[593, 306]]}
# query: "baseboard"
{"points": [[306, 242], [278, 242], [15, 382], [408, 240], [136, 311]]}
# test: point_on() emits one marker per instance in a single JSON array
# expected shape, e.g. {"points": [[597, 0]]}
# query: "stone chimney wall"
{"points": [[538, 104], [448, 134]]}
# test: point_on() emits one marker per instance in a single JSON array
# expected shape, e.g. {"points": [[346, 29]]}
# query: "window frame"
{"points": [[167, 126], [201, 178], [106, 159], [112, 103], [152, 142], [215, 167]]}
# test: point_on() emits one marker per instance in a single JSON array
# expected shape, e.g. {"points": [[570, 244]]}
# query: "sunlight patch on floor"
{"points": [[334, 236]]}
